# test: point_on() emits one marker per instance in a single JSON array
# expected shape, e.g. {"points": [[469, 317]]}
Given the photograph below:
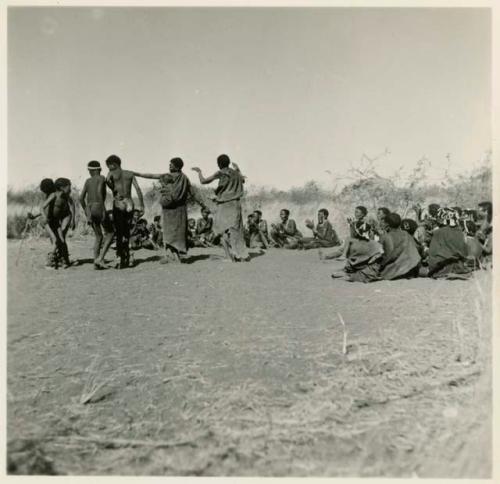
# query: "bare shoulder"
{"points": [[128, 174]]}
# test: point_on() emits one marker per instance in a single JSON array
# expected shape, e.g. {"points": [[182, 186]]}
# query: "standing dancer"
{"points": [[228, 218], [59, 210], [121, 181], [175, 190], [92, 200]]}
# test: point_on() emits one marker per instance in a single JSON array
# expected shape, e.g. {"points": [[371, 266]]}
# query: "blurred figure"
{"points": [[485, 232], [474, 247]]}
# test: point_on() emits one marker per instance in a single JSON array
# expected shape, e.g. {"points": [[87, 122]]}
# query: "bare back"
{"points": [[96, 189]]}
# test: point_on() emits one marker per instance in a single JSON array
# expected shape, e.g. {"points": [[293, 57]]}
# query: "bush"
{"points": [[367, 188]]}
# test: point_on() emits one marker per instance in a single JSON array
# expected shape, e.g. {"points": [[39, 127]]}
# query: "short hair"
{"points": [[258, 211], [458, 210], [205, 210], [362, 209], [47, 186], [113, 159], [409, 225], [223, 161], [142, 221], [324, 211], [93, 165], [286, 211], [393, 220], [61, 183], [177, 162], [191, 220], [157, 218], [433, 209]]}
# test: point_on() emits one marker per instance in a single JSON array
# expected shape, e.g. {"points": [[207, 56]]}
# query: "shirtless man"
{"points": [[92, 201], [121, 181]]}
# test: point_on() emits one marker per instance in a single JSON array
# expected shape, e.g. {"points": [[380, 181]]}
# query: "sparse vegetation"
{"points": [[364, 187]]}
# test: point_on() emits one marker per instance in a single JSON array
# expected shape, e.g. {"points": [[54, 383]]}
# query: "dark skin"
{"points": [[121, 181], [68, 222], [321, 219], [94, 194]]}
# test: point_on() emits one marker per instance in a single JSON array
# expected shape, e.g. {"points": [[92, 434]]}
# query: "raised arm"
{"points": [[203, 180], [139, 194]]}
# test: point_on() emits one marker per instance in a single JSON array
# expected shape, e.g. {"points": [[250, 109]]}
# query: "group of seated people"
{"points": [[438, 242], [285, 233], [144, 236], [441, 243]]}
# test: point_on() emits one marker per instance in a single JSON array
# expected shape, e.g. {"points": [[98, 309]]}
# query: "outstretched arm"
{"points": [[139, 194], [203, 180], [152, 176]]}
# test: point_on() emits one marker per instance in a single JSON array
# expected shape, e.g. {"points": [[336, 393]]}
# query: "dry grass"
{"points": [[392, 405]]}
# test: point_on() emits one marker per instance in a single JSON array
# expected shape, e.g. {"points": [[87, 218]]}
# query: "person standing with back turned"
{"points": [[228, 221]]}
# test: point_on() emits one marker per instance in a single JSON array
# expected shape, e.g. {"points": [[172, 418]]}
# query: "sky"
{"points": [[287, 93]]}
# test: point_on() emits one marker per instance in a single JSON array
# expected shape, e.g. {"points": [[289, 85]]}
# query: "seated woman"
{"points": [[324, 234], [401, 259], [259, 236], [409, 225], [362, 256], [285, 234], [356, 227], [380, 227], [448, 250], [204, 228]]}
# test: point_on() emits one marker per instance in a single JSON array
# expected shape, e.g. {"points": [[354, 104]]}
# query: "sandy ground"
{"points": [[213, 368]]}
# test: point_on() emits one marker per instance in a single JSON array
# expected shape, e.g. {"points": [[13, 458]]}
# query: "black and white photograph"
{"points": [[249, 241]]}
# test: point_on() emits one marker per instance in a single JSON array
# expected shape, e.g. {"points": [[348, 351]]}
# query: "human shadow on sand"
{"points": [[254, 255], [195, 258], [80, 262], [152, 258]]}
